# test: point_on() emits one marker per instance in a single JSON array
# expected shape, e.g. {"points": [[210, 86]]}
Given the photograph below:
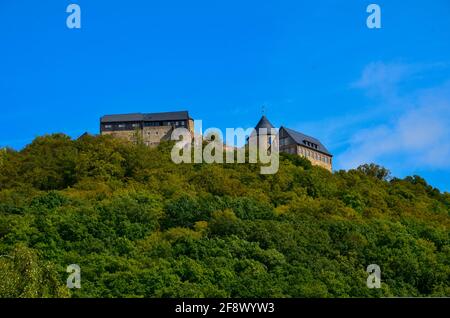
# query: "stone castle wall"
{"points": [[153, 135], [122, 134], [315, 157]]}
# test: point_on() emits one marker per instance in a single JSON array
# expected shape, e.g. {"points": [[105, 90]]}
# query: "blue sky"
{"points": [[369, 95]]}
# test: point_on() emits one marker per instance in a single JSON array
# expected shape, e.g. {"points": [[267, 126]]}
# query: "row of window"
{"points": [[127, 126], [284, 142], [165, 123], [121, 126], [175, 123], [310, 144], [314, 155], [309, 154]]}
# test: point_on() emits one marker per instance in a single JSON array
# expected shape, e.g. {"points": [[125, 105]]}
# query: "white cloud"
{"points": [[382, 79], [418, 136]]}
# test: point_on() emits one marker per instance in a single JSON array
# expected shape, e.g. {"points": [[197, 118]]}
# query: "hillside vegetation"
{"points": [[139, 225]]}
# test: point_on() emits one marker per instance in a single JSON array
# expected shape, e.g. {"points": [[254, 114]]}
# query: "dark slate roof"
{"points": [[263, 123], [300, 139], [122, 117], [181, 115]]}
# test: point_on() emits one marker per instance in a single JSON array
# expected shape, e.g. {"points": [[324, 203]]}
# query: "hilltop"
{"points": [[139, 225]]}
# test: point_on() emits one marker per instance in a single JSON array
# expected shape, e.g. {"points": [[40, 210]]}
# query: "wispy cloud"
{"points": [[418, 136], [383, 79]]}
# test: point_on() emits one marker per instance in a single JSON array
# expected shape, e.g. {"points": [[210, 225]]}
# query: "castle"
{"points": [[152, 128]]}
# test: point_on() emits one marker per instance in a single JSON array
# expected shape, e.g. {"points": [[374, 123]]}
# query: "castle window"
{"points": [[108, 126]]}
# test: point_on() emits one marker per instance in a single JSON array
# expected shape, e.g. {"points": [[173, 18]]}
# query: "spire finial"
{"points": [[263, 110]]}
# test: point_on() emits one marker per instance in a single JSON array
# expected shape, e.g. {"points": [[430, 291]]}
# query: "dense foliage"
{"points": [[141, 226]]}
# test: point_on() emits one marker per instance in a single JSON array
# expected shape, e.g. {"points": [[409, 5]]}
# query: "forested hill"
{"points": [[139, 225]]}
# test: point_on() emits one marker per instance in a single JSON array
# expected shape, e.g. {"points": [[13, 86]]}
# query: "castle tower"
{"points": [[264, 129]]}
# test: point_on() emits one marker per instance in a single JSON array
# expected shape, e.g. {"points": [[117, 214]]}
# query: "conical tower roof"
{"points": [[263, 123]]}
